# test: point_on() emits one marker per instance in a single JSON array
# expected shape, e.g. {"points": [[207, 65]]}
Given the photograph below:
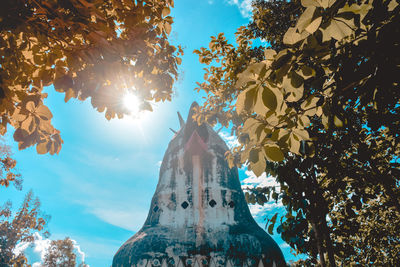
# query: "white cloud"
{"points": [[125, 217], [253, 181], [284, 245], [244, 7], [40, 246], [230, 140]]}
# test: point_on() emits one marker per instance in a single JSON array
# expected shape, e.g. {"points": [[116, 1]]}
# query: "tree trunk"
{"points": [[320, 247], [329, 247]]}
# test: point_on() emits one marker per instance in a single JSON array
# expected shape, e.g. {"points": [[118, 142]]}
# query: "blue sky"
{"points": [[98, 189]]}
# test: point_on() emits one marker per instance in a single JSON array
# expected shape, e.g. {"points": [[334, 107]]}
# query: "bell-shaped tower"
{"points": [[198, 214]]}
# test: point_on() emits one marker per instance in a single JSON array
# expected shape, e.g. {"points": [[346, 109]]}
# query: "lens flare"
{"points": [[131, 102]]}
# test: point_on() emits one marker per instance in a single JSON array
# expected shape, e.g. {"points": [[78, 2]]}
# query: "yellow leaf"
{"points": [[273, 153], [337, 122], [167, 27], [46, 126], [291, 36], [250, 74], [165, 11], [259, 167], [392, 5], [42, 148], [245, 100], [269, 54], [305, 18], [43, 112], [30, 105], [310, 3], [69, 94], [269, 98], [314, 25], [304, 121], [294, 144], [27, 124], [338, 29], [303, 134]]}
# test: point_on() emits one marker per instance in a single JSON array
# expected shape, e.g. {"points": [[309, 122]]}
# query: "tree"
{"points": [[8, 174], [61, 254], [319, 110], [87, 49], [18, 228]]}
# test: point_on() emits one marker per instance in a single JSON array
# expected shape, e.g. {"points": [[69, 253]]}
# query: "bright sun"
{"points": [[131, 102]]}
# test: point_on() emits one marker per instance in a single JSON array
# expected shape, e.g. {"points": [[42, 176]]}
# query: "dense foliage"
{"points": [[8, 173], [318, 109], [87, 49], [61, 254], [18, 228]]}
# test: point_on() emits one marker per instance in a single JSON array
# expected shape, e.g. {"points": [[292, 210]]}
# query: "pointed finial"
{"points": [[181, 121], [173, 130]]}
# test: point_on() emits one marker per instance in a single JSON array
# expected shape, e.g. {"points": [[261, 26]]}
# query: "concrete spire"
{"points": [[181, 121], [198, 214]]}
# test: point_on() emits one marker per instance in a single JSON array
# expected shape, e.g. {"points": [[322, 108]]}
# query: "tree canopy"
{"points": [[317, 106], [19, 227], [61, 254], [87, 49]]}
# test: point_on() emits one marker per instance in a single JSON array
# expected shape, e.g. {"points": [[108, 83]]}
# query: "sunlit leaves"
{"points": [[321, 112], [86, 49]]}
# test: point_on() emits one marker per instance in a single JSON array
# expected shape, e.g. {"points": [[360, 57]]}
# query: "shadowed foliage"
{"points": [[317, 107]]}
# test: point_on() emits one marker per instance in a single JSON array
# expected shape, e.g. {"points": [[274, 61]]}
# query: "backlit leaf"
{"points": [[313, 26], [273, 153]]}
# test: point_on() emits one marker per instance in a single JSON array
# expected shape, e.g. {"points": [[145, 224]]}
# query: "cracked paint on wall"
{"points": [[198, 215]]}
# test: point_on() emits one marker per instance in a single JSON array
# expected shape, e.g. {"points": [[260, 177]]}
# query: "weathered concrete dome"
{"points": [[198, 214]]}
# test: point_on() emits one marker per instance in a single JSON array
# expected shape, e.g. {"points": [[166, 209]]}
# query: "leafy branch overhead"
{"points": [[87, 49], [317, 107], [276, 93]]}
